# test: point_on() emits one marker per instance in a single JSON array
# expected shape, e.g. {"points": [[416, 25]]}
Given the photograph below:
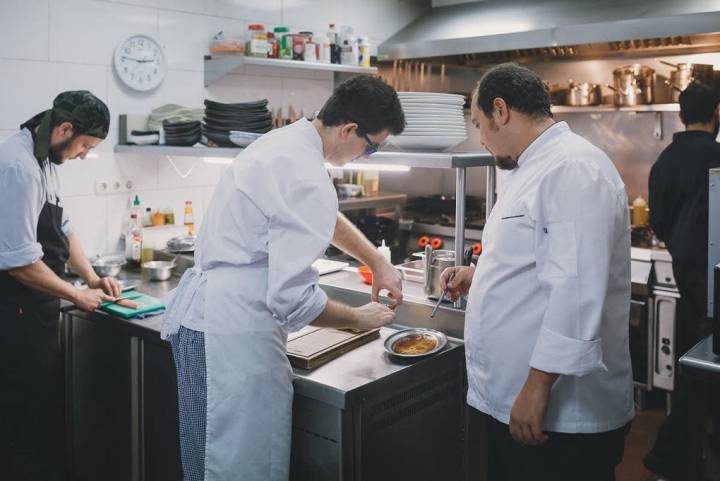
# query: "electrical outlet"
{"points": [[114, 185]]}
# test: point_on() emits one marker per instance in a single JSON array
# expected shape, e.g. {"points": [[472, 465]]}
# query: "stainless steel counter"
{"points": [[337, 382], [702, 357]]}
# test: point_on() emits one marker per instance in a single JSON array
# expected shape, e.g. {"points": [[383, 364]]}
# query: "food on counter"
{"points": [[366, 275], [415, 345], [127, 303]]}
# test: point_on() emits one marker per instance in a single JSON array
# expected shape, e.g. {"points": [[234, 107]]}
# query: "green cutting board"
{"points": [[147, 304]]}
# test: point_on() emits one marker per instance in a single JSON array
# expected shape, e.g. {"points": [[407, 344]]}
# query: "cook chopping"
{"points": [[546, 335], [274, 212], [36, 241]]}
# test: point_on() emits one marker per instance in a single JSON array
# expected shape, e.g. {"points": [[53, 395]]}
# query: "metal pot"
{"points": [[107, 265], [436, 261], [583, 93], [687, 73], [633, 85], [159, 270]]}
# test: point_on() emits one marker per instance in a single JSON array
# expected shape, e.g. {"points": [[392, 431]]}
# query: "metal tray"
{"points": [[398, 336], [413, 271]]}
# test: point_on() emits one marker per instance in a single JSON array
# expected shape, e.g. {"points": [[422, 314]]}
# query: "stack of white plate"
{"points": [[435, 121]]}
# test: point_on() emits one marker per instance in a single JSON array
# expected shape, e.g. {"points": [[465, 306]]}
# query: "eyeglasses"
{"points": [[371, 146]]}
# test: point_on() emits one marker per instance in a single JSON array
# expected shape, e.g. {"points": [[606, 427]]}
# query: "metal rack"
{"points": [[459, 161]]}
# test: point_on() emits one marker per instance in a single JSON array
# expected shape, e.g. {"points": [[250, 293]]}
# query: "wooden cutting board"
{"points": [[314, 346]]}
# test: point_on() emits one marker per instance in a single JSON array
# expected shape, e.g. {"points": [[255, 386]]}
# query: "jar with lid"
{"points": [[298, 46], [256, 44], [284, 44]]}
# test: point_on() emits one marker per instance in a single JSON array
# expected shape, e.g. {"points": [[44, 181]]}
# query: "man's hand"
{"points": [[90, 299], [460, 283], [386, 277], [109, 285], [528, 411], [373, 315]]}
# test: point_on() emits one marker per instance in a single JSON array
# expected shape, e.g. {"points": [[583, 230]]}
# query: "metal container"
{"points": [[159, 270], [633, 85], [687, 73], [393, 340], [583, 93], [436, 261], [107, 265], [181, 244]]}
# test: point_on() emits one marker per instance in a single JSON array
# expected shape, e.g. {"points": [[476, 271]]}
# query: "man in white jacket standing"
{"points": [[274, 212], [546, 323]]}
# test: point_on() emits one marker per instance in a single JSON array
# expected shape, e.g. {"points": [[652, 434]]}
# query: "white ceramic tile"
{"points": [[372, 18], [187, 172], [308, 95], [88, 215], [190, 6], [117, 214], [16, 105], [85, 31], [313, 15], [24, 29], [186, 38], [262, 11]]}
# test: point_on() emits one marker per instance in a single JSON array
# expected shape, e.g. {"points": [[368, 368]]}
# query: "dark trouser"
{"points": [[31, 397], [563, 457], [665, 458]]}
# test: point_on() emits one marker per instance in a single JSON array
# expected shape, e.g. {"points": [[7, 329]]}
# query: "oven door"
{"points": [[641, 341]]}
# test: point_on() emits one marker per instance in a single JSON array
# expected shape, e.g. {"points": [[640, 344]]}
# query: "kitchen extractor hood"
{"points": [[533, 25]]}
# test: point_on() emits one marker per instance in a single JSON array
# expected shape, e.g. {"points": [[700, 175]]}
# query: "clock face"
{"points": [[140, 63]]}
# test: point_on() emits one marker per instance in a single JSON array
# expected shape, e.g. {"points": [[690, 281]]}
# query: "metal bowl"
{"points": [[107, 265], [394, 339], [158, 270]]}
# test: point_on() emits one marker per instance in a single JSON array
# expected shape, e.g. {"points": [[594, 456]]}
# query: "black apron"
{"points": [[31, 392]]}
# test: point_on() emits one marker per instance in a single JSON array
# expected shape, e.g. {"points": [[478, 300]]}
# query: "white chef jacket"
{"points": [[24, 189], [552, 288]]}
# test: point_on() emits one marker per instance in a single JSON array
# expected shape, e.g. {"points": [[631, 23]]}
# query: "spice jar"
{"points": [[284, 42], [256, 44], [310, 54], [298, 47]]}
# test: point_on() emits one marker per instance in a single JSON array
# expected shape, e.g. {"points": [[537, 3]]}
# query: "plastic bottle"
{"points": [[639, 212], [385, 251], [133, 243], [148, 252], [364, 48], [334, 44], [347, 56], [189, 219], [147, 218], [325, 48], [310, 54]]}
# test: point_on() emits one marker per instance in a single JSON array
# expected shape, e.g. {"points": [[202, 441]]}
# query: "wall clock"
{"points": [[140, 63]]}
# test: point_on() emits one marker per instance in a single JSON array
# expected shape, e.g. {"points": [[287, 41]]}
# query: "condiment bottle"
{"points": [[385, 251], [364, 47], [158, 219], [334, 44], [133, 242], [169, 216], [189, 219], [640, 212]]}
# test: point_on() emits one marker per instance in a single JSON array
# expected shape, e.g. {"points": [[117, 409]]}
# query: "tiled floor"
{"points": [[638, 443]]}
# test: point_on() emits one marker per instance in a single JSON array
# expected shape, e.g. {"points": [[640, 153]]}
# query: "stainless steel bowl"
{"points": [[107, 265], [392, 340], [158, 270]]}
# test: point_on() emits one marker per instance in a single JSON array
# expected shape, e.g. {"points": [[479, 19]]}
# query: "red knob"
{"points": [[423, 241], [477, 248], [436, 243]]}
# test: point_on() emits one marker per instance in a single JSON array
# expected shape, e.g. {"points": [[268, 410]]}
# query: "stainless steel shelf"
{"points": [[566, 109], [212, 152], [432, 160], [216, 68], [372, 202]]}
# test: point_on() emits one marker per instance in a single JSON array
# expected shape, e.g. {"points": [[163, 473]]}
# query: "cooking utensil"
{"points": [[633, 85], [686, 74], [442, 296], [394, 339], [583, 93], [179, 244], [107, 265], [159, 270], [436, 261]]}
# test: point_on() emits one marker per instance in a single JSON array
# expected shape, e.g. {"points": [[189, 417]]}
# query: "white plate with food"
{"points": [[415, 343]]}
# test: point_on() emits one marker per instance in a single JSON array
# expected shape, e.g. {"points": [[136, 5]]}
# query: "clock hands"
{"points": [[138, 60]]}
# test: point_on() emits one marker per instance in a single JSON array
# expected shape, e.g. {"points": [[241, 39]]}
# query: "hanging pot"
{"points": [[633, 85]]}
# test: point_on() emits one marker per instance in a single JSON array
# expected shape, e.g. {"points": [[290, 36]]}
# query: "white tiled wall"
{"points": [[47, 46]]}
